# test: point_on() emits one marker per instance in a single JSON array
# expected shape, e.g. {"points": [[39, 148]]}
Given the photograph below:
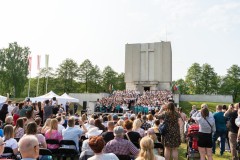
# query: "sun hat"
{"points": [[93, 132]]}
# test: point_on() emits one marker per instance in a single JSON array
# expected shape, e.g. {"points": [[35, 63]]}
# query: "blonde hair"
{"points": [[146, 151], [120, 122], [153, 136], [137, 124], [47, 123], [53, 125]]}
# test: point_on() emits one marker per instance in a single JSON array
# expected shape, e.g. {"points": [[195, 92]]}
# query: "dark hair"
{"points": [[29, 113], [128, 124], [31, 128], [105, 118], [19, 123], [204, 113], [59, 119], [171, 108], [224, 107], [99, 124], [38, 120], [157, 122], [20, 105], [96, 143], [4, 109]]}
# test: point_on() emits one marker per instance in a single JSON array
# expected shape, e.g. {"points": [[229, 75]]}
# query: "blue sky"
{"points": [[200, 31]]}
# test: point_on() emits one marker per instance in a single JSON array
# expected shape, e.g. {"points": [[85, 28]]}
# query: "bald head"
{"points": [[29, 146]]}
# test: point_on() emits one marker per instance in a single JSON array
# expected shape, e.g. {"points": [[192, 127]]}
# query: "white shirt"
{"points": [[60, 128], [105, 156], [12, 143]]}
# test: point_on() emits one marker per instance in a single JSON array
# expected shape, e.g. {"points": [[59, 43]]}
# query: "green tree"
{"points": [[120, 85], [67, 72], [231, 82], [14, 67], [209, 80], [109, 78], [85, 73], [45, 75], [182, 86], [95, 81], [193, 78]]}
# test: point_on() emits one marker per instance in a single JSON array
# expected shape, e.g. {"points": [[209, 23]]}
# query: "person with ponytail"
{"points": [[146, 151]]}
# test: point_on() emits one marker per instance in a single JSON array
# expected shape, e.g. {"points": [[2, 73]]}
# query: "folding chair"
{"points": [[53, 141], [66, 151], [45, 154], [160, 146]]}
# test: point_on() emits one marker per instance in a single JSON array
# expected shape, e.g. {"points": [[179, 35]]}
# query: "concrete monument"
{"points": [[148, 66]]}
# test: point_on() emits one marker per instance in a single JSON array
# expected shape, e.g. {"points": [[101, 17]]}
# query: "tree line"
{"points": [[71, 77], [204, 80], [68, 77]]}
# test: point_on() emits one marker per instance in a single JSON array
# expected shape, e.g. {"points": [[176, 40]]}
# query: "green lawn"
{"points": [[187, 106], [183, 149]]}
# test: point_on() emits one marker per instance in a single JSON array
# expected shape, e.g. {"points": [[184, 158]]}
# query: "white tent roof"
{"points": [[44, 97], [69, 98], [2, 99]]}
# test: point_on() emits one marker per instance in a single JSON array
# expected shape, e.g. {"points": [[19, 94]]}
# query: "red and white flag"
{"points": [[29, 63], [38, 62]]}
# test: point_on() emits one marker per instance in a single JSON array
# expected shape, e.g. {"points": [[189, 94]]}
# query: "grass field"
{"points": [[187, 106], [217, 156]]}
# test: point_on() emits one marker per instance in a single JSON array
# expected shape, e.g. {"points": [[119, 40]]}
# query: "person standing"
{"points": [[172, 138], [47, 111], [221, 129], [232, 114], [206, 128]]}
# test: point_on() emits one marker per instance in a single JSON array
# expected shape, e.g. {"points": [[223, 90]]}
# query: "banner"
{"points": [[46, 60], [29, 63], [38, 62]]}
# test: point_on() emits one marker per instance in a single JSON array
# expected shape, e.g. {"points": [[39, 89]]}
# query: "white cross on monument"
{"points": [[147, 50]]}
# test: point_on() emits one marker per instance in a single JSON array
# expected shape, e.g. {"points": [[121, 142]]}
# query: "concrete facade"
{"points": [[148, 66], [88, 97], [207, 98]]}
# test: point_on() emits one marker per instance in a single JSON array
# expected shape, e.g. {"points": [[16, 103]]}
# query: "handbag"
{"points": [[163, 127]]}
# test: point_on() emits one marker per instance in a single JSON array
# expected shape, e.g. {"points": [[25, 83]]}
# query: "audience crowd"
{"points": [[27, 127]]}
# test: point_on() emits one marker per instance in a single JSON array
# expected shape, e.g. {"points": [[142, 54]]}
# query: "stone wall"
{"points": [[207, 98], [88, 97]]}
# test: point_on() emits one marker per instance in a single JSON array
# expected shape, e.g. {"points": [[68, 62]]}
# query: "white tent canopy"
{"points": [[69, 98], [2, 99], [61, 99], [44, 97]]}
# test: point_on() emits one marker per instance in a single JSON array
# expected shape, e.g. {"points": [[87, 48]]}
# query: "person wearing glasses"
{"points": [[29, 147]]}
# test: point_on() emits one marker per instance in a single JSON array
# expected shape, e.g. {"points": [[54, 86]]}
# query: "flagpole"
{"points": [[46, 65], [46, 83], [29, 84], [38, 68], [37, 86], [29, 69]]}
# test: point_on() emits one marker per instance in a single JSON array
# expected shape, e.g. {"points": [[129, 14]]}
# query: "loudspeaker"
{"points": [[84, 105]]}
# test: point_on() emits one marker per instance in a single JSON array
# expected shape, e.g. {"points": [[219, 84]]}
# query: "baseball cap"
{"points": [[115, 117]]}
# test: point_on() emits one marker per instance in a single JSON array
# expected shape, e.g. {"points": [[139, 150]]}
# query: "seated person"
{"points": [[97, 143]]}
